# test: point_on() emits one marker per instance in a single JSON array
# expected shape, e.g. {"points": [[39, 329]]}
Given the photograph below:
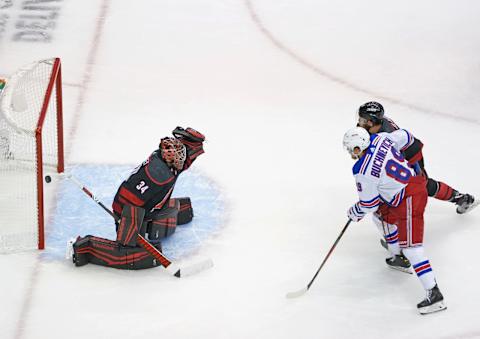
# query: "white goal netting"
{"points": [[30, 143]]}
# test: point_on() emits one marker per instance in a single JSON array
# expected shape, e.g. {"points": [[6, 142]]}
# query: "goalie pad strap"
{"points": [[130, 225], [185, 213], [104, 252], [163, 222]]}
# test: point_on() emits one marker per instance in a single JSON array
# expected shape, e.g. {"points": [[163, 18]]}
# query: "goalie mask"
{"points": [[355, 141], [173, 152]]}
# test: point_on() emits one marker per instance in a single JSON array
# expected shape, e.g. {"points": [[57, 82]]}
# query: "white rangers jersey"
{"points": [[382, 173]]}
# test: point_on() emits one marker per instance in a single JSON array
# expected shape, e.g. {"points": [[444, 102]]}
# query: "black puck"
{"points": [[48, 179]]}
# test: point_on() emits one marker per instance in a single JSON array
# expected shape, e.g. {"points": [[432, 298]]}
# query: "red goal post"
{"points": [[31, 143]]}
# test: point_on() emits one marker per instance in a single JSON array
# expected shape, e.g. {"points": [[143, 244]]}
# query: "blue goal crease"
{"points": [[76, 214]]}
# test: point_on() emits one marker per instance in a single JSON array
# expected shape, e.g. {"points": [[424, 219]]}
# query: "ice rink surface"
{"points": [[273, 85]]}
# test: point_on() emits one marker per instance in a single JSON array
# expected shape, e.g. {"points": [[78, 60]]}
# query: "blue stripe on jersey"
{"points": [[373, 142], [358, 164], [397, 198], [410, 141], [371, 203], [374, 139], [362, 164], [365, 164]]}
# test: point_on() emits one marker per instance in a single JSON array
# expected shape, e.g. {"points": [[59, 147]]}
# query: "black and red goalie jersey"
{"points": [[151, 184]]}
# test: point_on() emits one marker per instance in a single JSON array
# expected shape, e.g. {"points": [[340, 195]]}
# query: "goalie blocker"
{"points": [[125, 252]]}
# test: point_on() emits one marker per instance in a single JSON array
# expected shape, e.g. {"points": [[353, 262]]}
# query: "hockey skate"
{"points": [[400, 263], [433, 302], [465, 203]]}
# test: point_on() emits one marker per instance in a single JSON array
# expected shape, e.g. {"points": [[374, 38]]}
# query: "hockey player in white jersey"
{"points": [[371, 116], [386, 185]]}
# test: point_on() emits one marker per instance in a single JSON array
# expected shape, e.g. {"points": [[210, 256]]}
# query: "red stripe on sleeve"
{"points": [[131, 197]]}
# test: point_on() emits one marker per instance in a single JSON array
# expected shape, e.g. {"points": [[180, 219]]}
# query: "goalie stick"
{"points": [[304, 290], [153, 251]]}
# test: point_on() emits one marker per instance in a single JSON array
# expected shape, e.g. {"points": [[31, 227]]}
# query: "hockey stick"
{"points": [[302, 291], [384, 244], [153, 251]]}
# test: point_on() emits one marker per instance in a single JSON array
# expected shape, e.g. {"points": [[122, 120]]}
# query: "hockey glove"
{"points": [[355, 213], [193, 141], [188, 134]]}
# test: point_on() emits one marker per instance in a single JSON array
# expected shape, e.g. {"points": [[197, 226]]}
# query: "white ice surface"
{"points": [[273, 84]]}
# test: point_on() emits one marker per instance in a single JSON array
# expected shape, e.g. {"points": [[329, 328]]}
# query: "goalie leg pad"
{"points": [[130, 225], [80, 257], [164, 221], [185, 213], [104, 252]]}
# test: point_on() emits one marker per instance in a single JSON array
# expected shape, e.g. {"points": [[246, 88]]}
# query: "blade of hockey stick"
{"points": [[194, 268], [297, 294], [384, 244], [170, 267], [305, 289]]}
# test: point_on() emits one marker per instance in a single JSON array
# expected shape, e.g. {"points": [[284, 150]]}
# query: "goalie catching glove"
{"points": [[188, 134], [193, 141]]}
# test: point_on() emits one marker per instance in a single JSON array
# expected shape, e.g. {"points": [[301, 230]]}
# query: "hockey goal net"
{"points": [[31, 144]]}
